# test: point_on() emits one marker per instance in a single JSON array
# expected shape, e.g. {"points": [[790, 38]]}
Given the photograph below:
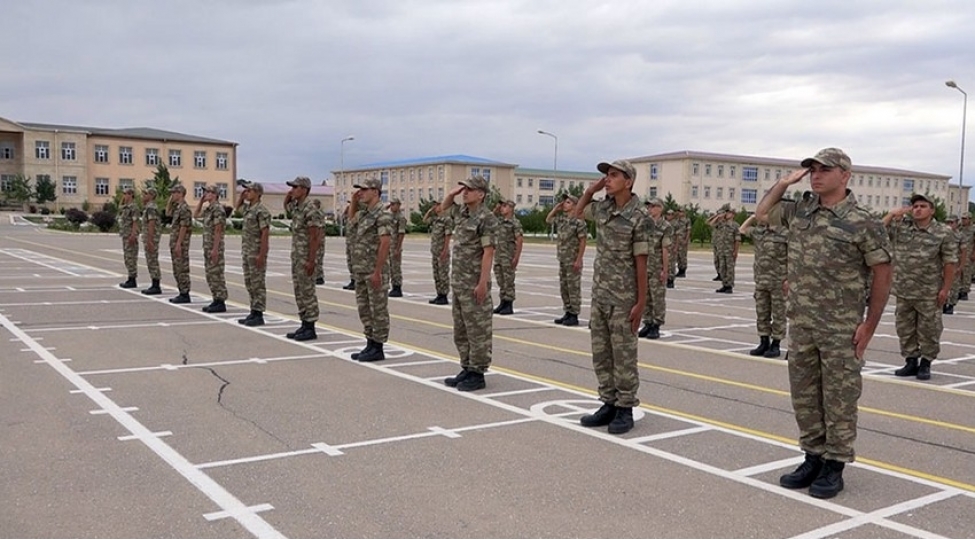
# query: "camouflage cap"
{"points": [[621, 165], [178, 188], [128, 189], [395, 200], [654, 201], [919, 197], [475, 182], [211, 189], [300, 181], [725, 208], [151, 191], [951, 218], [570, 197], [369, 183], [830, 157], [966, 216], [247, 184], [510, 203]]}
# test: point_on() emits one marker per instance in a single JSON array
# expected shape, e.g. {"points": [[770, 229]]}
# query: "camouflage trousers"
{"points": [[919, 327], [394, 267], [726, 267], [216, 279], [152, 257], [441, 273], [348, 258], [770, 312], [570, 287], [306, 297], [955, 289], [473, 329], [966, 280], [254, 281], [320, 263], [181, 266], [130, 254], [614, 355], [717, 266], [504, 274], [824, 376], [681, 256], [672, 260], [656, 311], [373, 306]]}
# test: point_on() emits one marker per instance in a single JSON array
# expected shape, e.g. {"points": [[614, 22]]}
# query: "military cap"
{"points": [[128, 189], [178, 188], [211, 189], [621, 165], [919, 197], [395, 200], [151, 191], [952, 217], [247, 184], [369, 183], [510, 203], [671, 212], [475, 182], [829, 157], [654, 201], [966, 216], [725, 208], [300, 181], [571, 197]]}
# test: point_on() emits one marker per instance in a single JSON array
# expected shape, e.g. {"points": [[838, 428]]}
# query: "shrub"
{"points": [[110, 207], [104, 220], [76, 217], [45, 211], [33, 209], [228, 210], [331, 229], [281, 216], [63, 210], [86, 206]]}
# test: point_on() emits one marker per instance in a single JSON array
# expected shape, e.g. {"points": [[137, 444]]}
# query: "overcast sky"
{"points": [[287, 80]]}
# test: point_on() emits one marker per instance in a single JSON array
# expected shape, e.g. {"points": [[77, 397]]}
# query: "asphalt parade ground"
{"points": [[122, 415]]}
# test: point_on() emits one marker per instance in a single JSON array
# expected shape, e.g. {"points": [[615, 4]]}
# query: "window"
{"points": [[653, 192], [561, 184], [707, 192], [719, 193], [440, 194], [707, 169], [731, 172], [545, 185], [68, 151], [906, 201], [531, 183], [6, 182], [402, 194], [519, 182], [384, 176], [411, 195], [653, 171], [720, 172], [6, 150], [430, 193], [152, 157], [749, 174], [887, 200], [42, 149], [778, 174], [870, 181], [101, 153], [125, 155], [222, 161], [860, 181], [175, 158], [429, 173], [768, 174], [530, 198], [412, 175], [546, 200], [887, 182], [486, 173], [126, 183], [693, 192], [908, 184], [475, 171], [199, 159], [749, 196], [69, 185], [518, 198], [695, 169], [731, 193], [101, 186], [439, 172]]}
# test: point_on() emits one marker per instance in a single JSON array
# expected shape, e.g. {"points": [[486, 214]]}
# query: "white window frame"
{"points": [[69, 185], [101, 186], [68, 151], [101, 153], [125, 155], [152, 157], [223, 160], [199, 159], [42, 149], [175, 158], [7, 150], [198, 189]]}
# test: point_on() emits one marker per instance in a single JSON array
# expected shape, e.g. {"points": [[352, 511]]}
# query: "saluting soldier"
{"points": [[968, 235], [949, 307], [370, 253], [254, 245], [658, 266], [725, 242], [770, 266], [350, 210], [128, 229], [398, 234], [306, 224], [151, 234], [682, 235], [214, 219], [320, 262], [571, 248], [180, 231], [925, 258], [441, 230], [510, 239], [672, 255]]}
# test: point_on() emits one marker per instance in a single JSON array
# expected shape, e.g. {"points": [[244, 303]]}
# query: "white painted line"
{"points": [[957, 385], [77, 303], [102, 389], [125, 326], [175, 367], [770, 466], [517, 392], [669, 434], [875, 517], [327, 449], [254, 459], [418, 363], [213, 516], [115, 408], [450, 434], [137, 437]]}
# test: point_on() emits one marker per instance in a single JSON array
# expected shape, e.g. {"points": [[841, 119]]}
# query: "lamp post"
{"points": [[555, 163], [342, 176], [961, 166]]}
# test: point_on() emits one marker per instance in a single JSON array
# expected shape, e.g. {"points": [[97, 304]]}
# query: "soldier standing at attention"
{"points": [[769, 267], [441, 229], [658, 265], [320, 263], [725, 240], [925, 258], [180, 231], [671, 218], [475, 237], [370, 251], [214, 220], [254, 243], [306, 232], [949, 307], [398, 234], [619, 292], [151, 234], [128, 229], [682, 236], [510, 239], [572, 234], [968, 235], [835, 250], [350, 210]]}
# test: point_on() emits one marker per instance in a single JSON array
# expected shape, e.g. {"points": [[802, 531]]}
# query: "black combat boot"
{"points": [[623, 421], [804, 475], [561, 319], [473, 381], [763, 344], [830, 480], [773, 350], [505, 307], [910, 368], [256, 319], [924, 370], [670, 283], [644, 330], [249, 317], [441, 300], [350, 286], [374, 354], [681, 272], [716, 278], [456, 379], [725, 289], [291, 335], [319, 281], [571, 319], [181, 298], [369, 345], [963, 295], [497, 309], [654, 332], [948, 309], [396, 291], [153, 289], [602, 417], [129, 283], [217, 306], [307, 332]]}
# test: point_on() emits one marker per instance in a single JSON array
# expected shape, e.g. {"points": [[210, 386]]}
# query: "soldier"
{"points": [[320, 263], [949, 307], [214, 219], [396, 248], [306, 240], [128, 229], [254, 244], [725, 241], [682, 237], [619, 292], [658, 266], [350, 210], [441, 229], [180, 231], [572, 234], [671, 218], [151, 234], [968, 235], [475, 237], [925, 258], [769, 267], [370, 251], [834, 248], [510, 239]]}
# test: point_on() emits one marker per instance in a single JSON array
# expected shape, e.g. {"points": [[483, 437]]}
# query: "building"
{"points": [[539, 187], [711, 180], [274, 193], [88, 164]]}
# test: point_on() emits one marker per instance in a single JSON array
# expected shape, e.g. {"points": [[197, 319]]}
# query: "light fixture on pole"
{"points": [[555, 163], [961, 166], [342, 156]]}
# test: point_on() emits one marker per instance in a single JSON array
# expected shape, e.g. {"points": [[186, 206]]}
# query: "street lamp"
{"points": [[342, 176], [961, 166], [555, 164]]}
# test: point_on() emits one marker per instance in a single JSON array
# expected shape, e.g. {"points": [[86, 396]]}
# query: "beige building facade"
{"points": [[540, 187]]}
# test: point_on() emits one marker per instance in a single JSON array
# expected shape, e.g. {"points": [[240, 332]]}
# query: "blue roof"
{"points": [[456, 158]]}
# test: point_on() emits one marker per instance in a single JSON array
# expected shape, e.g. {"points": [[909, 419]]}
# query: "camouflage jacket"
{"points": [[256, 219], [474, 230], [213, 215], [440, 227], [182, 217], [127, 216], [920, 256], [682, 226], [397, 228], [621, 236], [371, 225], [661, 237], [570, 231], [151, 213], [771, 256], [509, 230], [725, 235], [304, 217]]}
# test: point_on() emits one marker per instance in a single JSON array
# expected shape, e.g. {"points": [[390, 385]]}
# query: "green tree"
{"points": [[164, 185], [670, 203], [19, 191], [45, 190]]}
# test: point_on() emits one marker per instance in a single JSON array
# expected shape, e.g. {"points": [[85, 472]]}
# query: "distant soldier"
{"points": [[682, 237], [151, 234], [475, 233], [925, 258], [398, 230], [769, 267], [725, 241], [619, 292], [571, 248], [320, 263], [214, 219], [128, 229], [949, 307], [968, 234], [306, 240], [180, 231], [350, 210], [441, 230], [658, 266], [254, 244], [510, 239], [370, 250], [672, 255]]}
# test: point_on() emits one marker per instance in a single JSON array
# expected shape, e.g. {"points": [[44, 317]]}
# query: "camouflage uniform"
{"points": [[920, 256], [304, 217], [151, 213], [213, 216], [769, 267], [968, 235], [621, 236], [182, 217], [373, 305], [395, 261], [570, 231], [474, 230], [831, 251], [661, 238], [257, 218], [673, 249], [956, 281], [681, 230], [440, 228], [723, 239], [320, 261], [349, 235], [127, 216], [509, 230]]}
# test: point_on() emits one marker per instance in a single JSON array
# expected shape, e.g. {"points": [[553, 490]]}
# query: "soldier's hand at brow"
{"points": [[795, 176]]}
